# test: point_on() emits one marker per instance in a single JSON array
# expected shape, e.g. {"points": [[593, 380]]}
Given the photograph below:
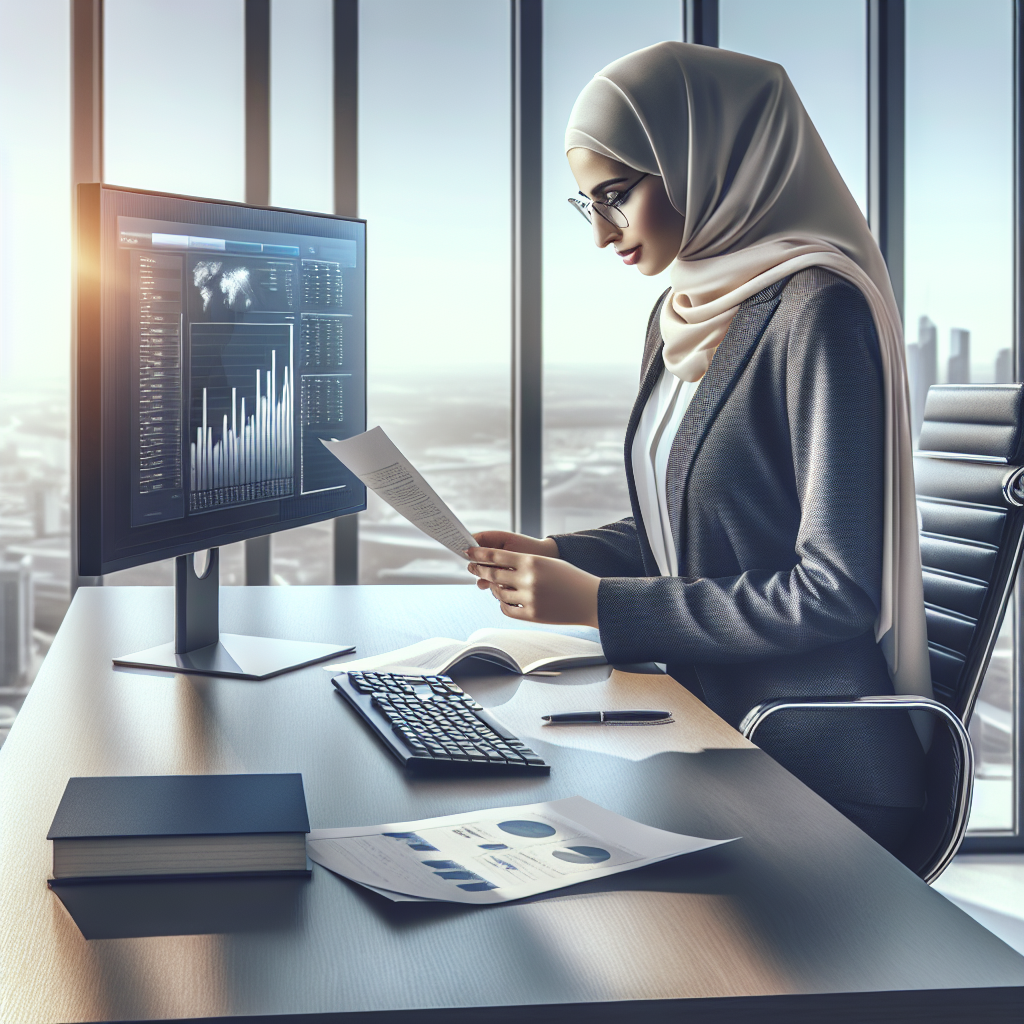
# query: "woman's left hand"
{"points": [[535, 588]]}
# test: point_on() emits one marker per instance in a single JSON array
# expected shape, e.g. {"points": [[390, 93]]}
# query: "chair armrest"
{"points": [[759, 713]]}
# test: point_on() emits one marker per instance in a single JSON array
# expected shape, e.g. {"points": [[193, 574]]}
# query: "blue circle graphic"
{"points": [[582, 854], [527, 829]]}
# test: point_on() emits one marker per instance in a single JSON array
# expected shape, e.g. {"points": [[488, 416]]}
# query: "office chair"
{"points": [[970, 495]]}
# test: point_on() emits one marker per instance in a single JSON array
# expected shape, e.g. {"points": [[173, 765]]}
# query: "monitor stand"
{"points": [[199, 648]]}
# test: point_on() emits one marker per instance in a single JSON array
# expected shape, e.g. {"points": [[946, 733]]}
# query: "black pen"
{"points": [[597, 717]]}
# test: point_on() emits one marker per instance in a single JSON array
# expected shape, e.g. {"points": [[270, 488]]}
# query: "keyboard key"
{"points": [[435, 720]]}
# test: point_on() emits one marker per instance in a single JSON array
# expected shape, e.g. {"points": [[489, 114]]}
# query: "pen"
{"points": [[597, 717]]}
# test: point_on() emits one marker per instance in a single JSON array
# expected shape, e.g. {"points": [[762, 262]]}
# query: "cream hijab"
{"points": [[761, 199]]}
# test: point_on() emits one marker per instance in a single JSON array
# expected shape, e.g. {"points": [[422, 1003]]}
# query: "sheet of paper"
{"points": [[374, 458], [498, 854], [621, 691]]}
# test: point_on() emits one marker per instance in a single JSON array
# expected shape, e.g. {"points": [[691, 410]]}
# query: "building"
{"points": [[16, 620], [959, 366], [922, 369]]}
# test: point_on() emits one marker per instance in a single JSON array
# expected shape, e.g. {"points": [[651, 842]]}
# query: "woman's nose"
{"points": [[604, 232]]}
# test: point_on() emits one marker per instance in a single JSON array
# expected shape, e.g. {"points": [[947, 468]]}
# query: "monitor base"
{"points": [[236, 657]]}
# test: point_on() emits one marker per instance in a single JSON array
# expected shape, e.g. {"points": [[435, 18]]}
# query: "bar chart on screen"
{"points": [[242, 414]]}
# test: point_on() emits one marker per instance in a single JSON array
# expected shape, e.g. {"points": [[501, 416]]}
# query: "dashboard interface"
{"points": [[236, 348]]}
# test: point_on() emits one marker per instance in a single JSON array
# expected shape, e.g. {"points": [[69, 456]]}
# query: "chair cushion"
{"points": [[970, 420]]}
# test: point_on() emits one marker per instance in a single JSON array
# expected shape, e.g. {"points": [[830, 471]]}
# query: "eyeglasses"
{"points": [[610, 211]]}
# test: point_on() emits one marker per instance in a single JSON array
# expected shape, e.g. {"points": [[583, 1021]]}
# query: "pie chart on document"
{"points": [[582, 854], [527, 829]]}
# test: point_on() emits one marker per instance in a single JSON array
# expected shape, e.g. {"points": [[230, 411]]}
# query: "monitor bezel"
{"points": [[88, 401]]}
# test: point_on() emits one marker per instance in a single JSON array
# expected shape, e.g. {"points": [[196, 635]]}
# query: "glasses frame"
{"points": [[585, 206]]}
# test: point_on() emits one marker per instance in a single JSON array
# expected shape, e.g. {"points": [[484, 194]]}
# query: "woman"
{"points": [[773, 548]]}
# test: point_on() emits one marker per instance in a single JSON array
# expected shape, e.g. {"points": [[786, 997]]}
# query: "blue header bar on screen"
{"points": [[338, 250]]}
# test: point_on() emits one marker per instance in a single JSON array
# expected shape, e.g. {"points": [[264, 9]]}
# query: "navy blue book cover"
{"points": [[180, 805]]}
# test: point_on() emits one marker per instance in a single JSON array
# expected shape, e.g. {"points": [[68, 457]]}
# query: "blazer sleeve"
{"points": [[612, 550], [834, 403]]}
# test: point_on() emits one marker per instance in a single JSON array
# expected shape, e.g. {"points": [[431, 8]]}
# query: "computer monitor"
{"points": [[217, 344]]}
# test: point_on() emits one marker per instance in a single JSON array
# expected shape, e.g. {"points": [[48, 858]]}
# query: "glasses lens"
{"points": [[612, 214], [582, 207]]}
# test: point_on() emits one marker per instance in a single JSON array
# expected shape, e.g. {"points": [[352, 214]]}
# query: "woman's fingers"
{"points": [[515, 609], [493, 556], [493, 538], [536, 588], [496, 574], [495, 566]]}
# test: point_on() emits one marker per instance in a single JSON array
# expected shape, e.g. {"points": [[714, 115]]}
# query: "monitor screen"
{"points": [[217, 345]]}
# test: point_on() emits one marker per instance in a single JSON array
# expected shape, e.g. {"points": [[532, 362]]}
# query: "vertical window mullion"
{"points": [[257, 191], [346, 204], [886, 87], [86, 166], [526, 267]]}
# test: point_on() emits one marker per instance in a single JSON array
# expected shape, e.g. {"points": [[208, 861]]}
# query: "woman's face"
{"points": [[655, 233]]}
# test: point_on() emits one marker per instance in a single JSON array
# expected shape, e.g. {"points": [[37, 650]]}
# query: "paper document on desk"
{"points": [[373, 458], [498, 854]]}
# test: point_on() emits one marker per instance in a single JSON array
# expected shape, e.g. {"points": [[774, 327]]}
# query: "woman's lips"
{"points": [[630, 256]]}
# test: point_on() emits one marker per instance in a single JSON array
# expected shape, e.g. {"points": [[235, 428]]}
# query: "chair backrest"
{"points": [[970, 497]]}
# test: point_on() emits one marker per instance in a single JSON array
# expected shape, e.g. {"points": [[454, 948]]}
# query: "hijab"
{"points": [[761, 200]]}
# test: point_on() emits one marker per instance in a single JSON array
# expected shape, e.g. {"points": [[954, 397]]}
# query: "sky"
{"points": [[35, 190], [959, 198], [435, 156]]}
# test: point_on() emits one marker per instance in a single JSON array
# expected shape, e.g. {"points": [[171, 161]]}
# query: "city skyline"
{"points": [[960, 368]]}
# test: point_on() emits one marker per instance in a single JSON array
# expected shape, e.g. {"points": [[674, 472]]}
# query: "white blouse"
{"points": [[652, 443]]}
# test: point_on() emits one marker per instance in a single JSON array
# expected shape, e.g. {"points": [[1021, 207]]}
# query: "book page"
{"points": [[427, 656], [525, 649], [533, 649], [374, 458]]}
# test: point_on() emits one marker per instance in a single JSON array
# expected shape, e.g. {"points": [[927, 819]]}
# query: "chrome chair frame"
{"points": [[760, 713]]}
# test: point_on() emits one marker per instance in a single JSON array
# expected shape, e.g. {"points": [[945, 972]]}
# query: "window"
{"points": [[35, 271], [595, 309], [959, 275], [163, 134], [180, 126], [302, 178], [434, 184]]}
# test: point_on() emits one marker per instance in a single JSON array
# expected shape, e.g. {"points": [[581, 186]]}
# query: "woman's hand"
{"points": [[536, 588], [517, 542]]}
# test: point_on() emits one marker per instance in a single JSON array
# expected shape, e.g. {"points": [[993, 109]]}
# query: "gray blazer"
{"points": [[775, 495]]}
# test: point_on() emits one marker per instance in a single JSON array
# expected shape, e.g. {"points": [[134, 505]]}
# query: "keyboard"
{"points": [[430, 723]]}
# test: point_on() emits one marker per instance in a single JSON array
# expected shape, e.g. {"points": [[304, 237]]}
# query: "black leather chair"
{"points": [[970, 495]]}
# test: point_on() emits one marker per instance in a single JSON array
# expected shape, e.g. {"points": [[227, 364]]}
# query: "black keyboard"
{"points": [[429, 722]]}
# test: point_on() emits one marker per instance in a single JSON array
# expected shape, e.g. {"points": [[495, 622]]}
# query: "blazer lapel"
{"points": [[650, 371], [728, 363]]}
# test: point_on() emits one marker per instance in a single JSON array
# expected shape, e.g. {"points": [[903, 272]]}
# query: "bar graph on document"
{"points": [[242, 421]]}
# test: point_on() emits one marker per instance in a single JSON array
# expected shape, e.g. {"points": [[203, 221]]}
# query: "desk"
{"points": [[803, 919]]}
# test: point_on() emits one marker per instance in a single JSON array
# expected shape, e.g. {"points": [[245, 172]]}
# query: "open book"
{"points": [[519, 650]]}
